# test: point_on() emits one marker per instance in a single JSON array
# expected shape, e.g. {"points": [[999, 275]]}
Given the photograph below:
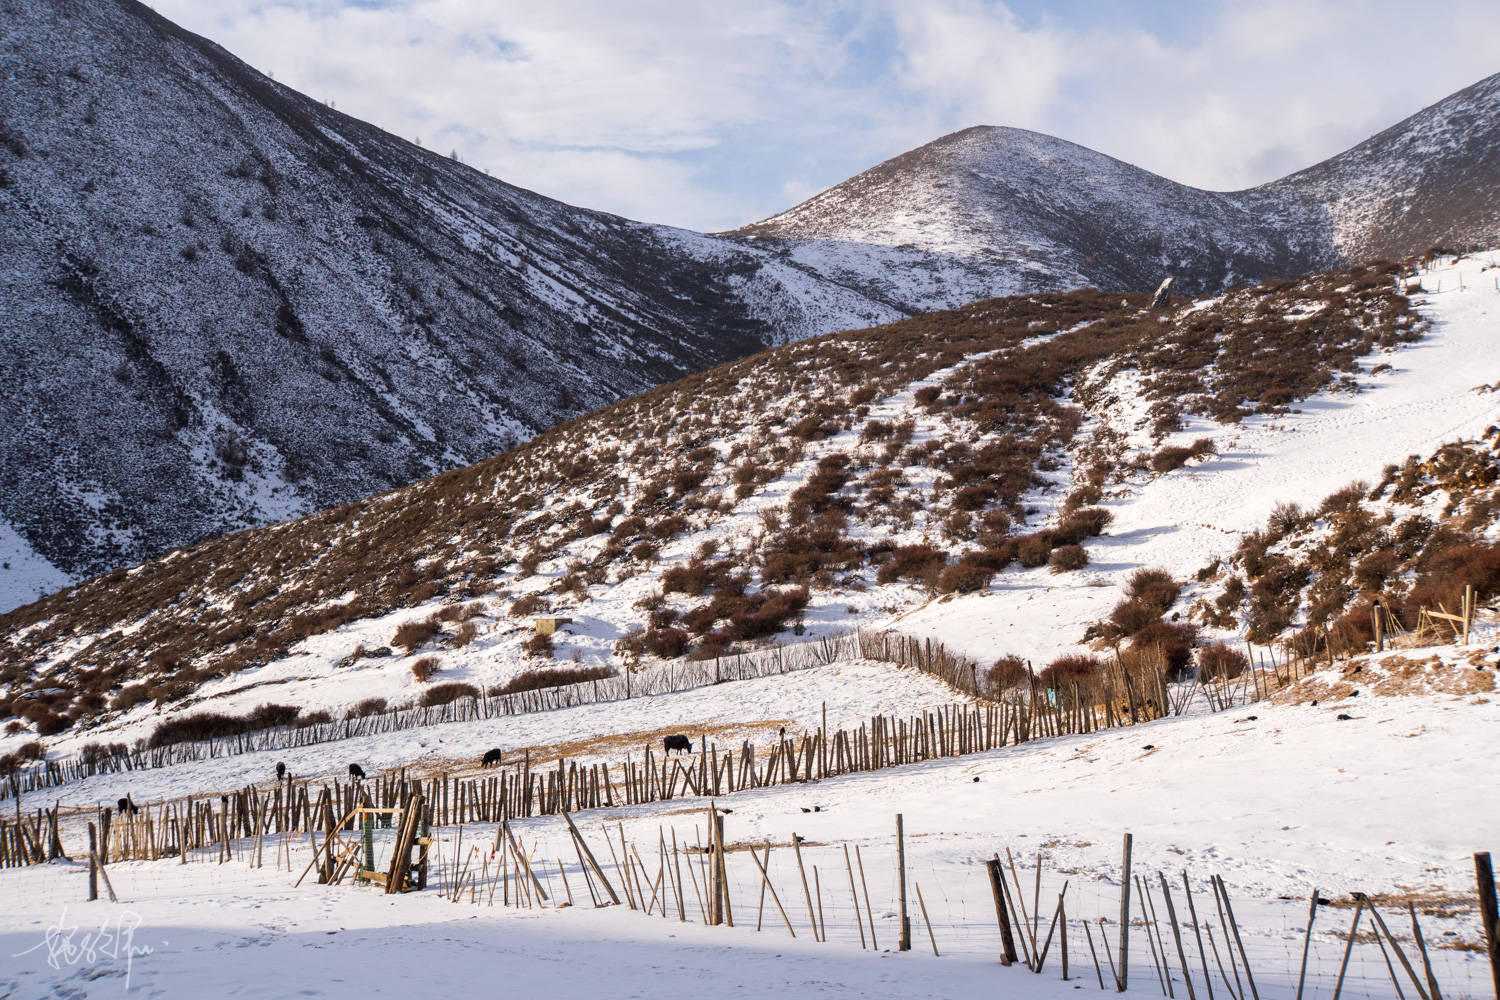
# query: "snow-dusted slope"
{"points": [[990, 211], [213, 282], [223, 304]]}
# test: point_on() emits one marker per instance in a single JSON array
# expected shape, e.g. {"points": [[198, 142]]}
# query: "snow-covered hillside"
{"points": [[1408, 403], [993, 477], [1431, 180], [990, 211]]}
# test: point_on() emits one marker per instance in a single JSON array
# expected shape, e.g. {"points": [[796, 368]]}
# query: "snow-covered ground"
{"points": [[1278, 799], [1434, 391]]}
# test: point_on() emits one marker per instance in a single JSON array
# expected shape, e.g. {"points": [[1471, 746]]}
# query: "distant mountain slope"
{"points": [[223, 303], [990, 210], [946, 220], [1433, 179]]}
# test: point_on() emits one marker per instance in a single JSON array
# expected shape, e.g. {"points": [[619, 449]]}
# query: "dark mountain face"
{"points": [[224, 304]]}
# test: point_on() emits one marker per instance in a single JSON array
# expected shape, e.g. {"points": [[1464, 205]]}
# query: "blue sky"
{"points": [[712, 115]]}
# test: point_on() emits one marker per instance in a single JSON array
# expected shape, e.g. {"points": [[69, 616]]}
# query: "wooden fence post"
{"points": [[1123, 977], [997, 889], [93, 863], [905, 939], [1484, 874]]}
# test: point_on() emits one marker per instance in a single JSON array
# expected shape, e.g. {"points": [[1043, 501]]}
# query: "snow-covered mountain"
{"points": [[223, 303], [990, 211]]}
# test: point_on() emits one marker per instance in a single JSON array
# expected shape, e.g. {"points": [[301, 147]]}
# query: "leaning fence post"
{"points": [[1007, 942]]}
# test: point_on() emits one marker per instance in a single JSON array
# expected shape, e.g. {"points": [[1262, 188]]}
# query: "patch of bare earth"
{"points": [[1392, 676]]}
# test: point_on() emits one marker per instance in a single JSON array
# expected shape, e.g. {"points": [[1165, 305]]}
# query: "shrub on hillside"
{"points": [[1081, 524], [1066, 671], [467, 633], [666, 643], [539, 645], [1170, 457], [267, 716], [1034, 550], [546, 677], [410, 636], [964, 577], [367, 707], [1068, 557], [52, 723], [1174, 641], [529, 604], [424, 668], [1153, 587], [1217, 661], [1004, 674], [918, 563], [1275, 397], [1444, 571], [442, 694], [130, 696]]}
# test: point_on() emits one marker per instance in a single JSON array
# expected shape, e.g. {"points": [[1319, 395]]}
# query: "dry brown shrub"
{"points": [[424, 668], [413, 634], [442, 694]]}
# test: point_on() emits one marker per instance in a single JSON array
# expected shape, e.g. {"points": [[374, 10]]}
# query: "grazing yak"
{"points": [[280, 770], [677, 741], [491, 757], [127, 806], [356, 772]]}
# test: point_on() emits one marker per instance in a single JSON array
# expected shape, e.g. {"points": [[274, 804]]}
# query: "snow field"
{"points": [[1277, 804]]}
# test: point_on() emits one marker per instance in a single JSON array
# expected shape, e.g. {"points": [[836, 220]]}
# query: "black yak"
{"points": [[491, 757], [127, 806], [280, 770], [356, 772], [677, 741]]}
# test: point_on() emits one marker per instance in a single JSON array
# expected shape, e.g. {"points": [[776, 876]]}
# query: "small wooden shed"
{"points": [[548, 626]]}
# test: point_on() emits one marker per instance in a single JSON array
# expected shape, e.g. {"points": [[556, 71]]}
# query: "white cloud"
{"points": [[709, 115]]}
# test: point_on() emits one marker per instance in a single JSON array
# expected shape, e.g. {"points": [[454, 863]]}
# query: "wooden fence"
{"points": [[1116, 697], [669, 678]]}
